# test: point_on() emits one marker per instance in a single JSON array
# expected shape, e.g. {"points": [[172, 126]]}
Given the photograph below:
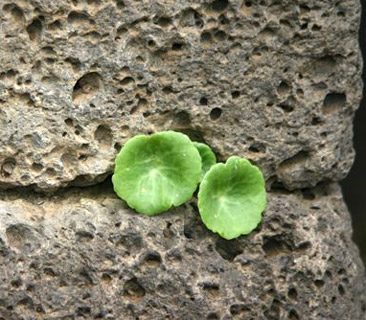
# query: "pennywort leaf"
{"points": [[232, 198], [154, 173], [207, 156]]}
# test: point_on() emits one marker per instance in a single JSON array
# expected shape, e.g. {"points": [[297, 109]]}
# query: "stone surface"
{"points": [[275, 81], [81, 254]]}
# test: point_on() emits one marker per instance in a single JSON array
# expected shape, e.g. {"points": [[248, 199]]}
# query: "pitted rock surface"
{"points": [[275, 81], [82, 254]]}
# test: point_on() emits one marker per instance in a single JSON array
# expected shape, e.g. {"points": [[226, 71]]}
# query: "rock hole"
{"points": [[228, 249], [297, 162], [83, 157], [191, 18], [16, 283], [220, 35], [341, 290], [152, 260], [235, 94], [75, 63], [334, 102], [127, 81], [316, 121], [51, 172], [193, 229], [18, 235], [239, 310], [300, 93], [342, 271], [176, 46], [319, 283], [292, 294], [106, 278], [325, 65], [69, 122], [274, 246], [307, 194], [35, 30], [26, 303], [78, 19], [84, 236], [78, 130], [8, 167], [223, 19], [219, 5], [182, 119], [133, 290], [83, 311], [168, 90], [49, 272], [117, 146], [37, 167], [287, 108], [168, 232], [213, 316], [120, 32], [203, 101], [284, 88], [193, 134], [130, 241], [151, 44], [15, 12], [68, 160], [103, 135], [54, 26], [267, 33], [274, 311], [215, 114], [206, 37], [257, 147], [163, 21], [304, 246], [86, 87], [212, 289], [120, 4], [293, 315]]}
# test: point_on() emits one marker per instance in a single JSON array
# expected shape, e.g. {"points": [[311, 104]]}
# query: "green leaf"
{"points": [[207, 156], [232, 198], [154, 173]]}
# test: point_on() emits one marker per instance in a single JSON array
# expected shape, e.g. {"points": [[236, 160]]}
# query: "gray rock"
{"points": [[275, 81], [82, 254]]}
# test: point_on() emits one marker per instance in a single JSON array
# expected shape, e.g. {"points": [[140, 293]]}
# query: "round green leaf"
{"points": [[207, 156], [154, 173], [232, 198]]}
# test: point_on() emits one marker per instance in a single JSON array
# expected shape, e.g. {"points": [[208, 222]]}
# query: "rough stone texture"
{"points": [[275, 81], [81, 254]]}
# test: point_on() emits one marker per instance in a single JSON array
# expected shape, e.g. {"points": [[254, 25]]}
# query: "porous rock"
{"points": [[275, 81], [82, 254]]}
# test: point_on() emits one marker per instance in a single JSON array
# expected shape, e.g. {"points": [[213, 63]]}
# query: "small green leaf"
{"points": [[232, 198], [154, 173], [207, 156]]}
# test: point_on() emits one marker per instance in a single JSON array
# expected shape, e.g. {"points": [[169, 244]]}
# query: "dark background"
{"points": [[354, 186]]}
